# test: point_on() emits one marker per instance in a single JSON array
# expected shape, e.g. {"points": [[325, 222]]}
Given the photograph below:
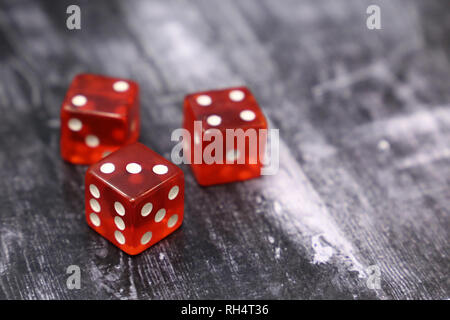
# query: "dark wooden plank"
{"points": [[364, 119]]}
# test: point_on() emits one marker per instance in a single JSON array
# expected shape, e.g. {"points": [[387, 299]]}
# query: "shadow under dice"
{"points": [[98, 116], [134, 198], [219, 111]]}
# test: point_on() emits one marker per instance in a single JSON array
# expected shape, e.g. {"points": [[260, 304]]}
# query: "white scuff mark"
{"points": [[277, 207], [7, 238], [410, 127], [422, 158], [133, 292], [271, 239], [406, 126], [161, 256], [301, 212], [31, 79], [277, 253], [418, 122], [383, 145], [102, 281], [314, 151], [344, 79], [322, 253], [3, 269]]}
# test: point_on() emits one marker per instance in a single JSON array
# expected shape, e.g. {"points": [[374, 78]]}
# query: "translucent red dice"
{"points": [[98, 116], [226, 112], [134, 198]]}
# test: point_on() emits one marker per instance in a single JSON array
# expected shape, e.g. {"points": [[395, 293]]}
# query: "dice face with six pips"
{"points": [[225, 109], [134, 197], [98, 116]]}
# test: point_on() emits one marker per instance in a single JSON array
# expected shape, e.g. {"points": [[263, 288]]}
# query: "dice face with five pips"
{"points": [[134, 197], [231, 109], [98, 116]]}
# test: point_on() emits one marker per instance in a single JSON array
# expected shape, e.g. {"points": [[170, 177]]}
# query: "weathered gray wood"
{"points": [[364, 119]]}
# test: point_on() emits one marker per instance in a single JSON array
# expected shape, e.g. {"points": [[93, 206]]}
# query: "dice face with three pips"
{"points": [[98, 116], [134, 197], [225, 109]]}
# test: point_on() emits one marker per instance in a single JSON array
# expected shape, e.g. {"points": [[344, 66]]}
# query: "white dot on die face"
{"points": [[160, 169], [119, 237], [214, 120], [173, 192], [94, 219], [160, 215], [146, 237], [119, 223], [236, 95], [172, 220], [94, 205], [92, 141], [75, 124], [107, 167], [79, 100], [133, 168], [121, 86], [204, 100], [94, 191], [247, 115], [119, 208], [146, 209]]}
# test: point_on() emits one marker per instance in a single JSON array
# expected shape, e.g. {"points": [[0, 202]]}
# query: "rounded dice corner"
{"points": [[132, 251]]}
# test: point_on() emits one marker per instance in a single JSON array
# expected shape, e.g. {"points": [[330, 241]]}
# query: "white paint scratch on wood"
{"points": [[301, 212], [423, 158], [405, 126], [323, 253]]}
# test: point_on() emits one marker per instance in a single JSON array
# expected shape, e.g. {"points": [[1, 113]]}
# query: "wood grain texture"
{"points": [[364, 120]]}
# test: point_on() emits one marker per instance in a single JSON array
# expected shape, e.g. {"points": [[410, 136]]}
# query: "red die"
{"points": [[98, 115], [238, 154], [134, 198]]}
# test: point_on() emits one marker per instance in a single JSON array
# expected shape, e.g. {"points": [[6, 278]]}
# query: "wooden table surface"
{"points": [[364, 122]]}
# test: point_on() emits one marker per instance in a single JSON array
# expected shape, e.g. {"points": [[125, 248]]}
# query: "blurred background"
{"points": [[363, 190]]}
